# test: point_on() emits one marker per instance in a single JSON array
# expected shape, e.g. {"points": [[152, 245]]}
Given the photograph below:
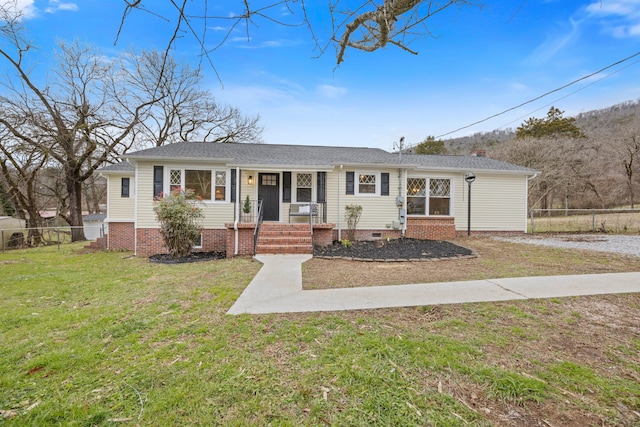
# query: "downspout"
{"points": [[135, 208], [237, 211], [403, 226], [339, 207]]}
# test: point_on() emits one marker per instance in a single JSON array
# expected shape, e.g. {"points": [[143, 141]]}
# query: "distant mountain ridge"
{"points": [[608, 119]]}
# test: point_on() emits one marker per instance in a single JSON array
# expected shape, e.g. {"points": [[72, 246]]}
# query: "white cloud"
{"points": [[57, 5], [330, 91], [24, 8], [244, 43], [518, 87], [620, 18], [555, 43]]}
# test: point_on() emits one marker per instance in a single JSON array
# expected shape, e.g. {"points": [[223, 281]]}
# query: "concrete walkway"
{"points": [[277, 288]]}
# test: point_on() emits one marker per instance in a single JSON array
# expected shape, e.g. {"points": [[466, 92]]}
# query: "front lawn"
{"points": [[107, 339]]}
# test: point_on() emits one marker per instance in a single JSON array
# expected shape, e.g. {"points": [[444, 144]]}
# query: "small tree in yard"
{"points": [[179, 219], [352, 216]]}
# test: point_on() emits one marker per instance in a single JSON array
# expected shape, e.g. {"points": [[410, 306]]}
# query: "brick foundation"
{"points": [[120, 236], [370, 234], [245, 239], [431, 228], [150, 242], [323, 234]]}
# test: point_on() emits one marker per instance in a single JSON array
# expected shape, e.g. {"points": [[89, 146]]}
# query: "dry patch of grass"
{"points": [[496, 259], [623, 222]]}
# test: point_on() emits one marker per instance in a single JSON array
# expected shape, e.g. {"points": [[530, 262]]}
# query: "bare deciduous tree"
{"points": [[68, 121], [365, 25], [93, 108], [183, 112]]}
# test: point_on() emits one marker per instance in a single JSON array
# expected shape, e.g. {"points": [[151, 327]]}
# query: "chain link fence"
{"points": [[55, 237], [619, 221]]}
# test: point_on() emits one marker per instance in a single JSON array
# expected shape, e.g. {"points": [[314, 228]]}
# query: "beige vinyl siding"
{"points": [[216, 214], [120, 208], [498, 202], [378, 212]]}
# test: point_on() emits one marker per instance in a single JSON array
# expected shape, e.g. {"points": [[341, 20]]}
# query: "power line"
{"points": [[542, 96], [569, 94]]}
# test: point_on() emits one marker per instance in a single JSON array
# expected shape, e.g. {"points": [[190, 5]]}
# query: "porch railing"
{"points": [[250, 210]]}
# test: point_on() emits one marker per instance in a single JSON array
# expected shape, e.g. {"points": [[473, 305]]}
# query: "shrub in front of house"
{"points": [[180, 221]]}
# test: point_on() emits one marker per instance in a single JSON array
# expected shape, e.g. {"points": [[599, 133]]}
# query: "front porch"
{"points": [[277, 238]]}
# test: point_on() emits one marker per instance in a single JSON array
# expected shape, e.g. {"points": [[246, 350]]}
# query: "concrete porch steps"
{"points": [[276, 238]]}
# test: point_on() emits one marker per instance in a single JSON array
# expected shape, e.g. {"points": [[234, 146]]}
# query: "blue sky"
{"points": [[479, 62]]}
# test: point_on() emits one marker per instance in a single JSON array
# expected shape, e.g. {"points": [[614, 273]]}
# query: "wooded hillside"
{"points": [[599, 169]]}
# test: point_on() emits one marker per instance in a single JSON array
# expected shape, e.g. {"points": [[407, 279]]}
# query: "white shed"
{"points": [[93, 226]]}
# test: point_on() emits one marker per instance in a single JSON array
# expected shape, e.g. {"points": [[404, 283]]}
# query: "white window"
{"points": [[206, 184], [439, 196], [220, 186], [303, 187], [438, 201], [416, 196], [367, 183]]}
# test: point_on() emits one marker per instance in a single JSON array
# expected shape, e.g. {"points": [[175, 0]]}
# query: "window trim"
{"points": [[450, 197], [213, 171], [125, 190], [356, 185], [427, 195], [294, 193]]}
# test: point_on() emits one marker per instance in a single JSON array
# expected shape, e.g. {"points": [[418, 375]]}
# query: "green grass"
{"points": [[106, 339]]}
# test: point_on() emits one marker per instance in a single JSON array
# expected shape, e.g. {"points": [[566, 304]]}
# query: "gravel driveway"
{"points": [[626, 245]]}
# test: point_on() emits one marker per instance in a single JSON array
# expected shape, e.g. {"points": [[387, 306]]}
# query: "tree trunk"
{"points": [[33, 224], [74, 189]]}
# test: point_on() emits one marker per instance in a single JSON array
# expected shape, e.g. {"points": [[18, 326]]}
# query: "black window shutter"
{"points": [[286, 187], [322, 187], [233, 185], [384, 184], [158, 174], [350, 182], [124, 188]]}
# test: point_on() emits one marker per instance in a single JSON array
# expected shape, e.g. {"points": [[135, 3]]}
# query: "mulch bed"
{"points": [[403, 249], [193, 257]]}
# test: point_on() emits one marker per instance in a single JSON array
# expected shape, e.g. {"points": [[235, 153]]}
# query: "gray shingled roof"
{"points": [[256, 155], [118, 167], [94, 217], [462, 162]]}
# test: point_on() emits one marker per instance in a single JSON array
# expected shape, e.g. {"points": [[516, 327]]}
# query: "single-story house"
{"points": [[297, 195]]}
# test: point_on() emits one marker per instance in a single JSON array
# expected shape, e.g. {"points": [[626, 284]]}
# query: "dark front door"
{"points": [[268, 192]]}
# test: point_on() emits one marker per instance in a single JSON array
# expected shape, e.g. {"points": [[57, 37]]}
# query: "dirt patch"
{"points": [[393, 250], [192, 257]]}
